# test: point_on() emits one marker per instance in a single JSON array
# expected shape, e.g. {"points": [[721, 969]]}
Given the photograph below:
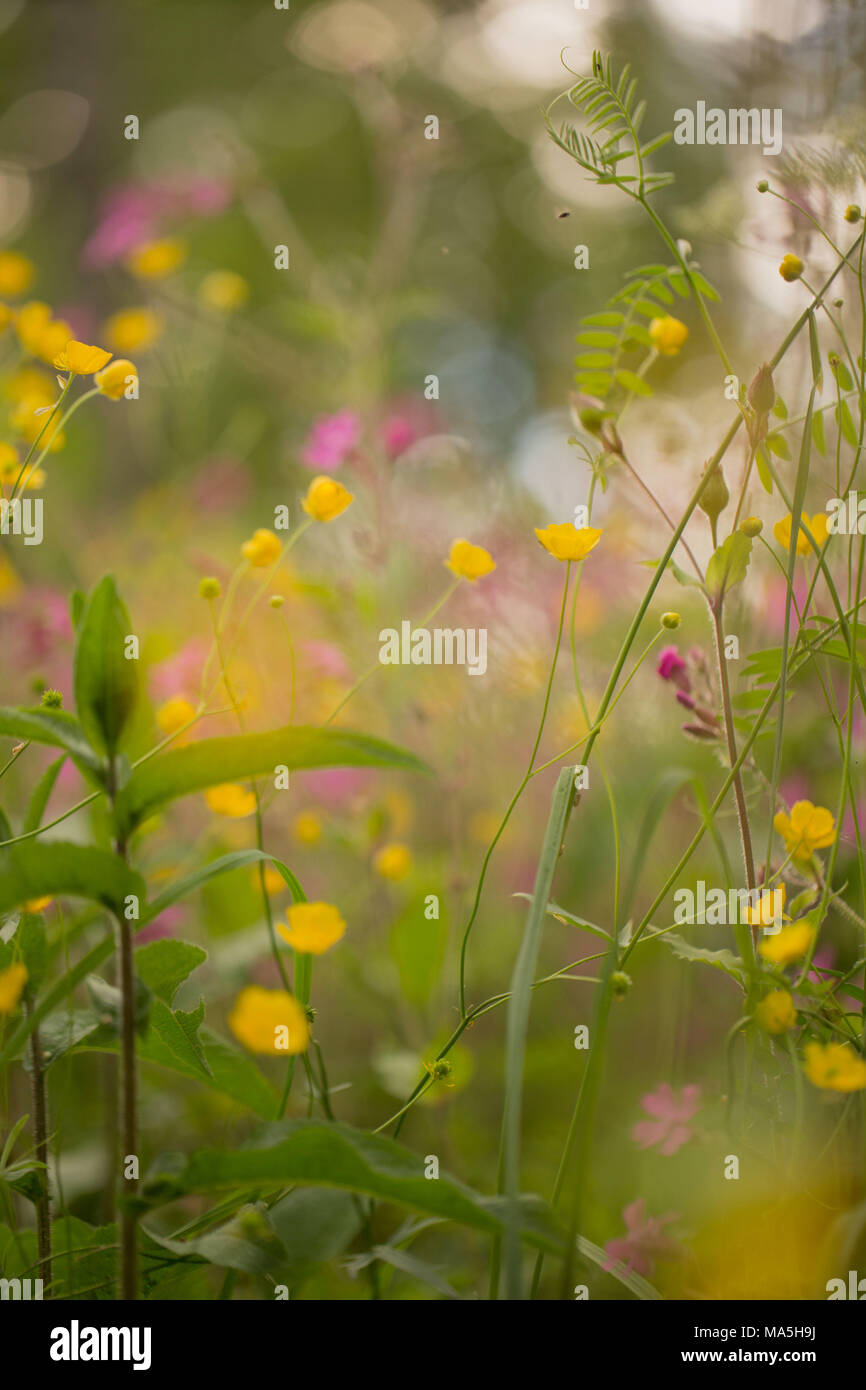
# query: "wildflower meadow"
{"points": [[433, 656]]}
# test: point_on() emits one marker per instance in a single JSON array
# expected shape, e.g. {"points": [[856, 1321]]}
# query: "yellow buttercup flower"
{"points": [[38, 904], [262, 549], [776, 1013], [40, 334], [806, 829], [313, 927], [157, 259], [326, 498], [307, 828], [469, 561], [224, 291], [132, 330], [834, 1067], [230, 799], [816, 524], [667, 334], [29, 382], [16, 273], [770, 907], [791, 267], [12, 982], [790, 944], [81, 358], [270, 1021], [393, 861], [174, 714], [115, 379], [563, 541]]}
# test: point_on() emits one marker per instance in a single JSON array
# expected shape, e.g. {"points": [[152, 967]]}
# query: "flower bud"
{"points": [[620, 984], [852, 213], [209, 588], [751, 526], [276, 601], [762, 186], [671, 620], [715, 496], [51, 699], [762, 393], [698, 731], [791, 267]]}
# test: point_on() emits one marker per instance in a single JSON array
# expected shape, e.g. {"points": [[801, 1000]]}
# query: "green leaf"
{"points": [[41, 793], [106, 683], [178, 1032], [57, 869], [418, 948], [815, 353], [729, 564], [57, 728], [630, 381], [107, 1002], [705, 287], [209, 762], [762, 463], [846, 424], [819, 438], [30, 938], [60, 1033], [314, 1224], [163, 965], [778, 445], [720, 960], [246, 1242]]}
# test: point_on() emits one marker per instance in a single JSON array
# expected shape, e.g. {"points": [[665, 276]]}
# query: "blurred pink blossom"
{"points": [[221, 485], [166, 924], [335, 786], [180, 674], [136, 213], [669, 1129], [327, 659], [331, 440], [645, 1241]]}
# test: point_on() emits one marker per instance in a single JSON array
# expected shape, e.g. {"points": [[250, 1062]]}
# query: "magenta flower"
{"points": [[645, 1241], [398, 433], [327, 659], [670, 1128], [331, 440], [670, 663]]}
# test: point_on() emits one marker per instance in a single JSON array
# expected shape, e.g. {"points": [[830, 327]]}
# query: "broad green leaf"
{"points": [[164, 965], [721, 960], [314, 1224], [232, 1073], [728, 565], [106, 683], [246, 1242], [178, 1032], [107, 1002], [57, 869], [55, 727], [181, 771], [416, 1269], [224, 864], [778, 445], [60, 1033]]}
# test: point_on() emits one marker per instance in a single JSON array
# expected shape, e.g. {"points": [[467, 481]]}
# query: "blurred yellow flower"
{"points": [[174, 714], [224, 291], [393, 861], [7, 315], [29, 382], [156, 259], [230, 799], [834, 1067], [563, 541], [776, 1013], [816, 524], [806, 829], [81, 358], [791, 267], [29, 425], [307, 828], [274, 881], [469, 561], [262, 549], [132, 330], [114, 379], [38, 904], [16, 273], [667, 334], [269, 1021], [313, 927], [790, 944], [769, 908], [40, 334], [326, 498], [12, 982]]}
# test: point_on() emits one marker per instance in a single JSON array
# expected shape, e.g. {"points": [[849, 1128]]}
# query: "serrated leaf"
{"points": [[178, 1031], [721, 960], [164, 965], [729, 564]]}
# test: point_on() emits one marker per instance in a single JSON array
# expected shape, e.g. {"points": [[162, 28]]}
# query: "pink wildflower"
{"points": [[331, 440], [670, 1128], [645, 1241]]}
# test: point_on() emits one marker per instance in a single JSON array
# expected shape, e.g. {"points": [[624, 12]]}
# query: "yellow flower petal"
{"points": [[230, 799], [393, 861], [326, 499], [313, 927], [564, 542], [667, 334], [81, 358], [270, 1021], [469, 561], [12, 982], [262, 549], [116, 379], [834, 1067]]}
